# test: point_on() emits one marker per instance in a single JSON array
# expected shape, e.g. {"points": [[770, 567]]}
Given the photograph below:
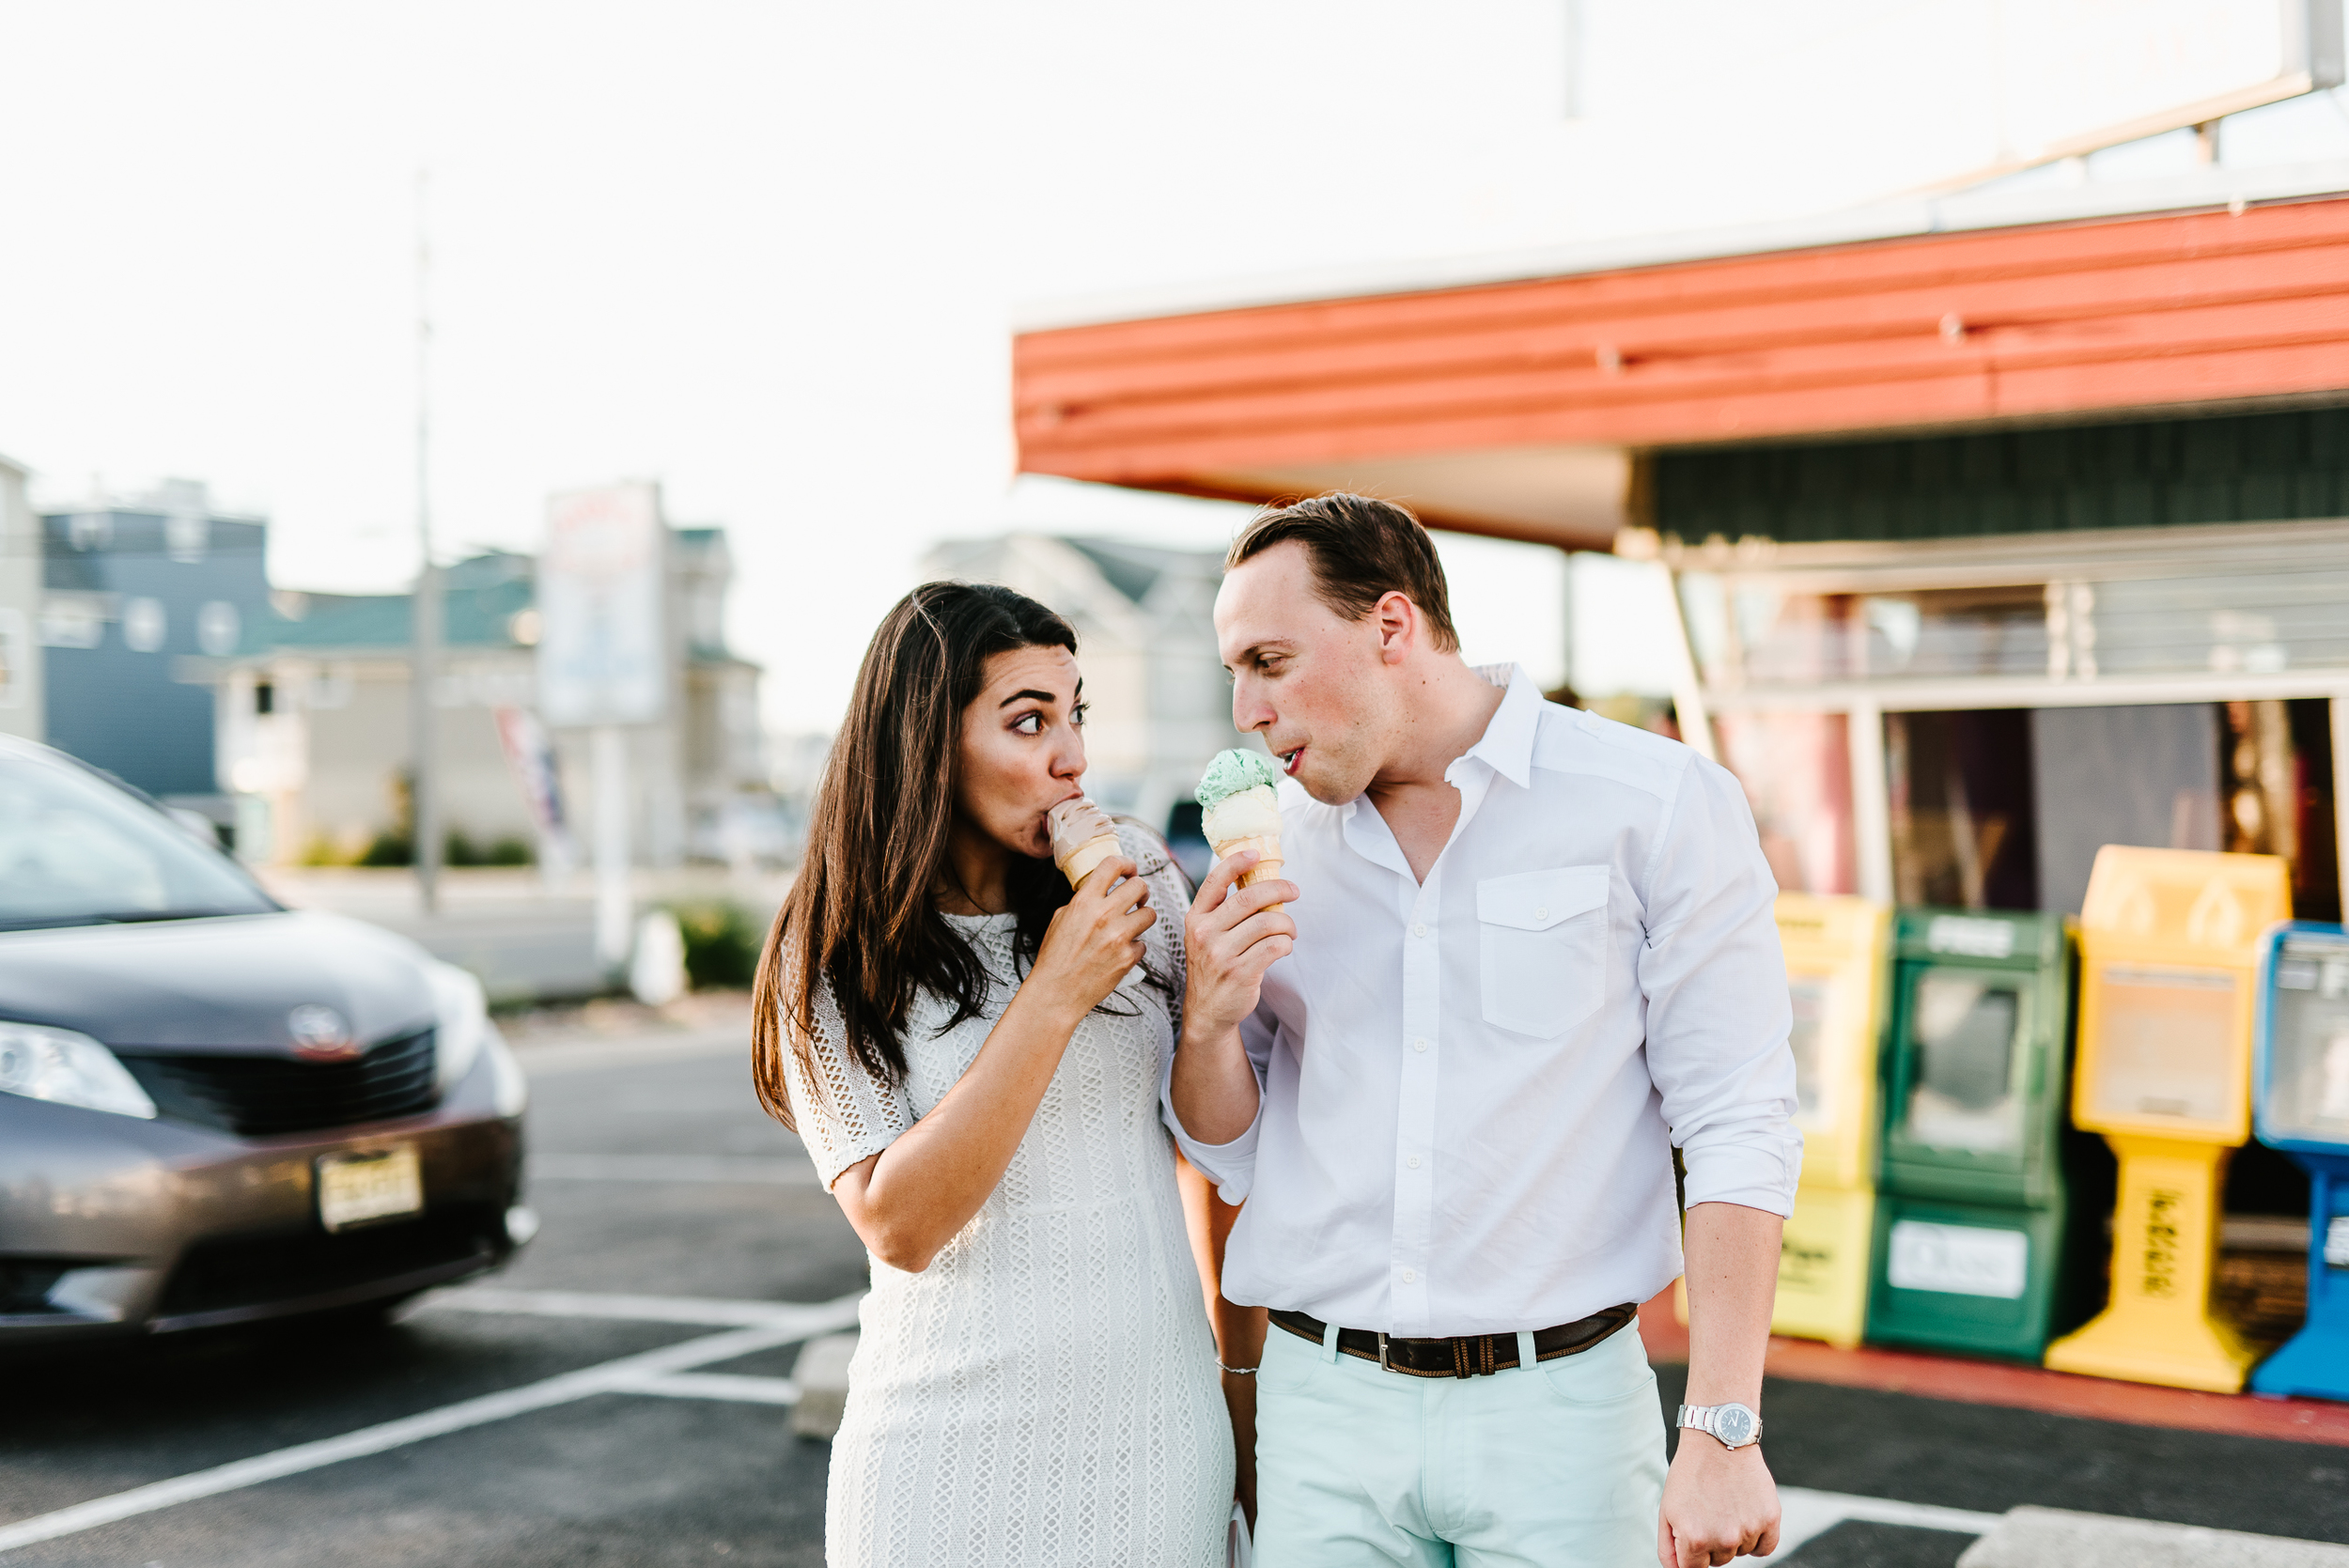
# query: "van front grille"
{"points": [[256, 1096]]}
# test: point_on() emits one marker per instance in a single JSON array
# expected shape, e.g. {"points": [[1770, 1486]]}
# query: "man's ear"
{"points": [[1398, 626]]}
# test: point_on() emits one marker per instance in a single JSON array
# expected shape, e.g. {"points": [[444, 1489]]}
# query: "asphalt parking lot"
{"points": [[677, 1221], [620, 1395]]}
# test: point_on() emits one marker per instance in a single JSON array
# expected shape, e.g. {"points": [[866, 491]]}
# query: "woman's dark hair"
{"points": [[862, 915]]}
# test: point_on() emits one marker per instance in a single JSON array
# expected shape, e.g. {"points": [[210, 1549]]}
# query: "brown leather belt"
{"points": [[1463, 1355]]}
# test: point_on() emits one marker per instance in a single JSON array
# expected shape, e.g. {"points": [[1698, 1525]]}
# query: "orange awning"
{"points": [[1510, 408]]}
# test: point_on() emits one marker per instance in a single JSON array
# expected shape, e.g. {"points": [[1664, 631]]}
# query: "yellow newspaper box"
{"points": [[1835, 961], [2170, 942]]}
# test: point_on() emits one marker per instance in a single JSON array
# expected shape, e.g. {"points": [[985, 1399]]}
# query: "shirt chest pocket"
{"points": [[1542, 948]]}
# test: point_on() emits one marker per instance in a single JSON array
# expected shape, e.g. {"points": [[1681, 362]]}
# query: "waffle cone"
{"points": [[1268, 846], [1084, 859]]}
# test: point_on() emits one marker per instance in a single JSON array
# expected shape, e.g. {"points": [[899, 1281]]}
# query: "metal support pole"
{"points": [[424, 796], [1870, 802], [1696, 725], [613, 911], [1565, 662]]}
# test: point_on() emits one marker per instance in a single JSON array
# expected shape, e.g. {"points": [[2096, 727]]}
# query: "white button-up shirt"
{"points": [[1472, 1086]]}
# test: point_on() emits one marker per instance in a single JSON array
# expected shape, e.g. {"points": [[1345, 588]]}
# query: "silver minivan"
{"points": [[213, 1108]]}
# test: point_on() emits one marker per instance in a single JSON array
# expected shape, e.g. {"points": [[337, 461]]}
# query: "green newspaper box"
{"points": [[1974, 1198]]}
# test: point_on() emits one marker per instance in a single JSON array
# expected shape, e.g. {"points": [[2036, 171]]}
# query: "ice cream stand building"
{"points": [[1999, 528]]}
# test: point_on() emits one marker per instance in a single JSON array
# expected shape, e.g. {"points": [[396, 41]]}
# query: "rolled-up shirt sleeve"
{"points": [[1717, 1010], [1231, 1166]]}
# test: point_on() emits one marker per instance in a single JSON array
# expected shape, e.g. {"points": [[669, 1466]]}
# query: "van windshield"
{"points": [[76, 850]]}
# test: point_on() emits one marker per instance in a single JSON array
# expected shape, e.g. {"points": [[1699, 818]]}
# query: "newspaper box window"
{"points": [[602, 660], [2170, 946], [2301, 1079]]}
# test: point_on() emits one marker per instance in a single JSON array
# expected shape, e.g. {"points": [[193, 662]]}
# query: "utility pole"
{"points": [[424, 659]]}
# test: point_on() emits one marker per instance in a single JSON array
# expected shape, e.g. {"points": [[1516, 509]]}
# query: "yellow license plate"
{"points": [[381, 1183]]}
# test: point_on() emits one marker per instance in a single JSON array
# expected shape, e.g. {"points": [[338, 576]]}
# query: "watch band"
{"points": [[1731, 1425]]}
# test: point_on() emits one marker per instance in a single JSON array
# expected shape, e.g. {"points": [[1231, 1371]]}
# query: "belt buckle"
{"points": [[1382, 1352]]}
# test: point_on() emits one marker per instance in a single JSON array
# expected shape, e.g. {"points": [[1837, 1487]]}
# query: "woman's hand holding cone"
{"points": [[1094, 939]]}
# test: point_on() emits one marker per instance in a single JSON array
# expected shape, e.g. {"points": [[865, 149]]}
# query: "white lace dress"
{"points": [[1045, 1391]]}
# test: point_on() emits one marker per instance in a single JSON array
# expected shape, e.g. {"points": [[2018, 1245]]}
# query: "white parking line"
{"points": [[719, 1385], [778, 1324], [707, 1312], [742, 1169], [2059, 1538], [1804, 1513]]}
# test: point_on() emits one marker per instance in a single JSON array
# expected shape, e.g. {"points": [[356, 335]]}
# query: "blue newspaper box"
{"points": [[2300, 1105]]}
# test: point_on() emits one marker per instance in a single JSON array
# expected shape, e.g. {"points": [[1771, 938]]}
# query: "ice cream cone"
{"points": [[1268, 846], [1081, 861], [1082, 838]]}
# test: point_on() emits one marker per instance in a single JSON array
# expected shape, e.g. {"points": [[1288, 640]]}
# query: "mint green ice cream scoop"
{"points": [[1232, 772]]}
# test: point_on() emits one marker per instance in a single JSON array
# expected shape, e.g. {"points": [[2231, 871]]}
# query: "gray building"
{"points": [[129, 589], [20, 608], [313, 717]]}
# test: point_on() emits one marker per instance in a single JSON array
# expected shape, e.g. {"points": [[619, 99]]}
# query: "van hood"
{"points": [[221, 986]]}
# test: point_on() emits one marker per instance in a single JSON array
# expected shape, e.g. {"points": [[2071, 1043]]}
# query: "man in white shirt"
{"points": [[1526, 954]]}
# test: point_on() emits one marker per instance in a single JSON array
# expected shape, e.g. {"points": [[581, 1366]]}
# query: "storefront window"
{"points": [[1960, 800], [1796, 771], [2276, 773], [2218, 621], [1791, 639], [2251, 777]]}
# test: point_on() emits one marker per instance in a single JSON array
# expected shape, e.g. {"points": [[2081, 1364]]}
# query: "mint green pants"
{"points": [[1557, 1467]]}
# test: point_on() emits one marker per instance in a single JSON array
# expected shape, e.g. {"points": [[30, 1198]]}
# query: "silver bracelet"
{"points": [[1238, 1372]]}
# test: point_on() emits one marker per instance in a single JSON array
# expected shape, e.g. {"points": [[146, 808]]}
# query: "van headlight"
{"points": [[66, 1068], [461, 1016], [465, 1032]]}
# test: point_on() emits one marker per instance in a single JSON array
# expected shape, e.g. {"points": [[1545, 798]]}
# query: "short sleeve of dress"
{"points": [[849, 1115], [1170, 899]]}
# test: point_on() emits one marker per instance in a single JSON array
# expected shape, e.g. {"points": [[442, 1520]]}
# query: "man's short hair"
{"points": [[1361, 550]]}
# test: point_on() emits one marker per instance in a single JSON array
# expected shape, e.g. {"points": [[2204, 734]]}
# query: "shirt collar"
{"points": [[1507, 746]]}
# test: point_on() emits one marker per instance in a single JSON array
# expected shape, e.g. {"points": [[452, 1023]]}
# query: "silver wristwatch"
{"points": [[1734, 1425]]}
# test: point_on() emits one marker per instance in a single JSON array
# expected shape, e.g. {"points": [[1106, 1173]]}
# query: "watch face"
{"points": [[1734, 1424]]}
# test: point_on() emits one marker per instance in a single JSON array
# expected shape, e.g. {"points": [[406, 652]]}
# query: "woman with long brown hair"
{"points": [[974, 1054]]}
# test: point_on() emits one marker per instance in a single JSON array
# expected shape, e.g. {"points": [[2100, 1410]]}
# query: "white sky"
{"points": [[767, 254]]}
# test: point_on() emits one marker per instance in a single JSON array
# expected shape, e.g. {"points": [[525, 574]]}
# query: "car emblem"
{"points": [[320, 1034]]}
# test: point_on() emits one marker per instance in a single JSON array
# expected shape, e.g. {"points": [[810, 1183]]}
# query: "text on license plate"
{"points": [[374, 1185]]}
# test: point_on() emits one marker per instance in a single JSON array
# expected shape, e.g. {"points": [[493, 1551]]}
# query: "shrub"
{"points": [[390, 847], [722, 943]]}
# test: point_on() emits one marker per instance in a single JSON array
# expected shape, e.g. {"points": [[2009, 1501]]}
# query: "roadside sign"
{"points": [[601, 580]]}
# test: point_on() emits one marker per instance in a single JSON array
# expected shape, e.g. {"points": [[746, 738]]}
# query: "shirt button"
{"points": [[1412, 1162], [1419, 1045], [1409, 1275], [1541, 911], [1419, 930]]}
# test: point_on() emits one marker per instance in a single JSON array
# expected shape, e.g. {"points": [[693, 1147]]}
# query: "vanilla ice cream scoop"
{"points": [[1253, 813], [1240, 812], [1082, 838]]}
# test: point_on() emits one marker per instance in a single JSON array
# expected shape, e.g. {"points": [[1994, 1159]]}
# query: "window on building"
{"points": [[264, 698], [1960, 807]]}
